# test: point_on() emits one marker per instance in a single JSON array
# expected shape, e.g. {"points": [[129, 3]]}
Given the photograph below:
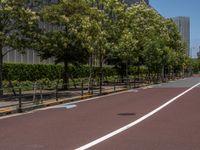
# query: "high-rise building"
{"points": [[135, 1], [183, 24], [198, 53]]}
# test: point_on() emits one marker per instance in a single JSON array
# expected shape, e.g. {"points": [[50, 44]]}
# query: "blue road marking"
{"points": [[66, 106]]}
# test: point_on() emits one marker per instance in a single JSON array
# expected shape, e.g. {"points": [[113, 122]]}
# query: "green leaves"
{"points": [[76, 29], [18, 24]]}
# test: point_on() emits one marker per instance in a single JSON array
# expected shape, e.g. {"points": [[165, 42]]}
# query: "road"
{"points": [[161, 117]]}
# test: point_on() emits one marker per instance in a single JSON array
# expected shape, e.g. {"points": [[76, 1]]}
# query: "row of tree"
{"points": [[78, 30]]}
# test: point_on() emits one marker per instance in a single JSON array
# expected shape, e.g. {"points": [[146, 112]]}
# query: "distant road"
{"points": [[161, 117]]}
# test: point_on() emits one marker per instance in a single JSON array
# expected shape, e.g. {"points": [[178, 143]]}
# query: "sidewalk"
{"points": [[11, 107]]}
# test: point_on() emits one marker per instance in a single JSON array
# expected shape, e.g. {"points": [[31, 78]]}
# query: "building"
{"points": [[183, 24], [135, 1], [198, 53], [30, 57]]}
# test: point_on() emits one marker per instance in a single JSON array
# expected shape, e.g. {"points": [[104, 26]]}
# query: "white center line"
{"points": [[84, 147]]}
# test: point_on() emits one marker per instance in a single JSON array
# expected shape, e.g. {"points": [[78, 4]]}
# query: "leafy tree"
{"points": [[149, 32], [76, 37], [177, 45], [18, 24], [115, 10], [113, 27]]}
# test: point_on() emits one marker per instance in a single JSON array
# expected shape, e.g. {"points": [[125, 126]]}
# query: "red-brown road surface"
{"points": [[176, 127]]}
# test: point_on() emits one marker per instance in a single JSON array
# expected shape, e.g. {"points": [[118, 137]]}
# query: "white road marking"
{"points": [[97, 141]]}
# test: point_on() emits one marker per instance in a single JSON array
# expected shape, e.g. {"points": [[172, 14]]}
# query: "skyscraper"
{"points": [[135, 1], [183, 24]]}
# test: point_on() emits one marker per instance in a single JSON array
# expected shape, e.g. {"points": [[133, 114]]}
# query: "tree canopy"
{"points": [[72, 31], [18, 27]]}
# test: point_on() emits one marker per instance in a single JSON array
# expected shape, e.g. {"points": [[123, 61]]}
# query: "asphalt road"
{"points": [[174, 127]]}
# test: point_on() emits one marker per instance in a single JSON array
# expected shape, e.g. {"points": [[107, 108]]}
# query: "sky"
{"points": [[189, 8]]}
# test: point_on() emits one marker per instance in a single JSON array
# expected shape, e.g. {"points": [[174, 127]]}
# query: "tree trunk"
{"points": [[91, 75], [138, 67], [74, 82], [149, 78], [163, 73], [66, 75], [127, 76], [121, 73], [1, 71], [101, 72]]}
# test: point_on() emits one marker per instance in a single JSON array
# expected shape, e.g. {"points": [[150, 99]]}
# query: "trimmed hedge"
{"points": [[33, 72]]}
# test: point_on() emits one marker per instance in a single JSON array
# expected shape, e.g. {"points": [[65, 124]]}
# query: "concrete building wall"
{"points": [[30, 57], [183, 24]]}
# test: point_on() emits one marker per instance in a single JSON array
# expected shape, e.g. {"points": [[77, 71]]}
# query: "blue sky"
{"points": [[189, 8]]}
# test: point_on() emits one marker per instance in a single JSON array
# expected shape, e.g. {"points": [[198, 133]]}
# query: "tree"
{"points": [[113, 26], [149, 32], [72, 42], [18, 24]]}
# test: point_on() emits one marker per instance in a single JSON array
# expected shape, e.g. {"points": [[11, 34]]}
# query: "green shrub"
{"points": [[33, 72], [23, 72]]}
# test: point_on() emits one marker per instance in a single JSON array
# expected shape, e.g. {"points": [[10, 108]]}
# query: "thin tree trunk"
{"points": [[121, 73], [1, 71], [12, 87], [91, 75], [74, 82], [163, 74], [127, 77], [66, 75], [138, 71], [101, 72], [149, 79]]}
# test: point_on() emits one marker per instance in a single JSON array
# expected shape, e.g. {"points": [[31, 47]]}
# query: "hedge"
{"points": [[33, 72]]}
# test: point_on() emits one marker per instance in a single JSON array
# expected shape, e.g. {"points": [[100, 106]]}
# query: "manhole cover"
{"points": [[126, 114]]}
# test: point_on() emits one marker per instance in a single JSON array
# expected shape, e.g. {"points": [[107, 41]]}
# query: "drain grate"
{"points": [[126, 114]]}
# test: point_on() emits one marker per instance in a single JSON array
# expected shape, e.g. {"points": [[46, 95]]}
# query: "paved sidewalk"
{"points": [[13, 106]]}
